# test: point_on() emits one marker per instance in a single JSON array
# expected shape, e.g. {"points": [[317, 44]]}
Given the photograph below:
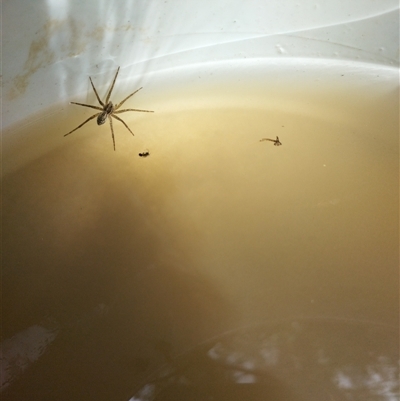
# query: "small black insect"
{"points": [[144, 154]]}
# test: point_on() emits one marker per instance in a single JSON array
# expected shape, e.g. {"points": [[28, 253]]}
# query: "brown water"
{"points": [[131, 261]]}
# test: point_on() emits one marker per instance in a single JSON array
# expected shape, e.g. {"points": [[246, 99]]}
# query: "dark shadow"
{"points": [[94, 254]]}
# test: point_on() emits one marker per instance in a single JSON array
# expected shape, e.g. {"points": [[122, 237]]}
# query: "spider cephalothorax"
{"points": [[107, 109]]}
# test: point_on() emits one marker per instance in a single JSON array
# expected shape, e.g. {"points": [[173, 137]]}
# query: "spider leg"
{"points": [[95, 91], [267, 139], [112, 87], [79, 126], [123, 122], [121, 103], [124, 110], [88, 105], [112, 131]]}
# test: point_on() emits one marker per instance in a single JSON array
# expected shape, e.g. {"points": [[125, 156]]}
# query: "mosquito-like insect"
{"points": [[276, 141], [107, 109]]}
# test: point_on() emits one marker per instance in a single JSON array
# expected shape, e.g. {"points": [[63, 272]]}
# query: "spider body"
{"points": [[107, 109]]}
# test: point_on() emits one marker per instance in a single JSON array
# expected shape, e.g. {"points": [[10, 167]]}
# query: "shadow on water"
{"points": [[292, 359], [90, 253]]}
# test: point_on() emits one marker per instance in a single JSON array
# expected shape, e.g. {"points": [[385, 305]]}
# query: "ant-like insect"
{"points": [[276, 141], [144, 154]]}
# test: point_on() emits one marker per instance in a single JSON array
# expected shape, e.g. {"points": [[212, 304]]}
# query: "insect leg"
{"points": [[123, 122], [112, 87], [79, 126], [112, 131], [87, 105], [124, 110], [97, 95], [121, 103]]}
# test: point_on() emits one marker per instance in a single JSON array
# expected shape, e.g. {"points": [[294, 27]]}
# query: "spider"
{"points": [[276, 141], [107, 109]]}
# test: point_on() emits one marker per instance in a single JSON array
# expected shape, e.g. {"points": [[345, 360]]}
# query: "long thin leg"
{"points": [[112, 87], [123, 122], [95, 91], [88, 105], [79, 126], [121, 103], [112, 131], [123, 111]]}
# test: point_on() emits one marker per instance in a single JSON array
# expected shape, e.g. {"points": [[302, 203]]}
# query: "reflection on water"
{"points": [[24, 348], [293, 360]]}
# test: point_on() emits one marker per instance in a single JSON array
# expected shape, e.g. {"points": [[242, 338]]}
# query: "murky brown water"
{"points": [[117, 267]]}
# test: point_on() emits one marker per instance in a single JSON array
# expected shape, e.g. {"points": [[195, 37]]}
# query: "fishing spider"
{"points": [[276, 141], [107, 109]]}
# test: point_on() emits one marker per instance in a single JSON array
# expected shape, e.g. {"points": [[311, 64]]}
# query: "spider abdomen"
{"points": [[102, 117]]}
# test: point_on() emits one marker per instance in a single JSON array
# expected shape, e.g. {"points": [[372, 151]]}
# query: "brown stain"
{"points": [[77, 44], [41, 54], [97, 33], [126, 27]]}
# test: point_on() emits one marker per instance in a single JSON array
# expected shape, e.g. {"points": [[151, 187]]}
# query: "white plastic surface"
{"points": [[50, 47]]}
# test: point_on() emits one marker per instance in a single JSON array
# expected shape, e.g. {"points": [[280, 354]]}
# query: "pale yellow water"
{"points": [[214, 230]]}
